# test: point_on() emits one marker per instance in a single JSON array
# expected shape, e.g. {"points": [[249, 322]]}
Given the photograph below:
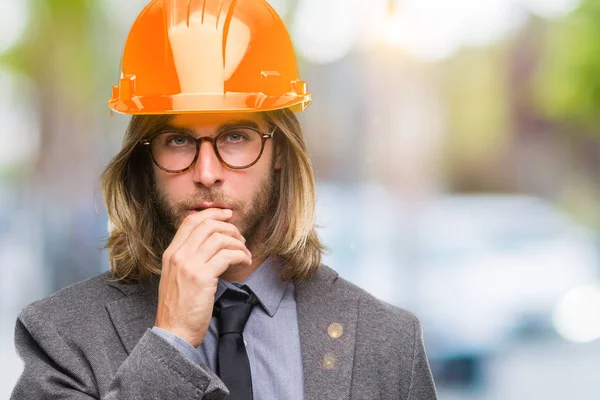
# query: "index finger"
{"points": [[193, 220]]}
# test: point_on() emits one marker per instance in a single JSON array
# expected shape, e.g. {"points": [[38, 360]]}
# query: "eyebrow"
{"points": [[244, 122], [222, 128]]}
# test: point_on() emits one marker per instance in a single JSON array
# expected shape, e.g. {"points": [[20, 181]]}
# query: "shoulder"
{"points": [[383, 331], [385, 335], [81, 301], [372, 311]]}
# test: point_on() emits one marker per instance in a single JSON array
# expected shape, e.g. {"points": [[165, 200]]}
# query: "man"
{"points": [[215, 287]]}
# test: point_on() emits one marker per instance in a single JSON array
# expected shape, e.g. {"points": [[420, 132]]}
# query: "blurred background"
{"points": [[456, 146]]}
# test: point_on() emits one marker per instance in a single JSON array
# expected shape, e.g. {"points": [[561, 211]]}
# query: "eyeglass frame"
{"points": [[198, 141]]}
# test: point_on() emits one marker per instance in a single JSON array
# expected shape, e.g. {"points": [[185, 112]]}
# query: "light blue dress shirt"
{"points": [[271, 336]]}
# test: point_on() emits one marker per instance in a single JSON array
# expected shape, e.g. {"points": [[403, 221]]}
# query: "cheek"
{"points": [[169, 185], [241, 184], [244, 183]]}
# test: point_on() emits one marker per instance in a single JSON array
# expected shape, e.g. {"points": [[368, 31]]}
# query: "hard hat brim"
{"points": [[189, 103]]}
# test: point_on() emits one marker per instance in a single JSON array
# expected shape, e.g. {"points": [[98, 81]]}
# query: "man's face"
{"points": [[208, 183]]}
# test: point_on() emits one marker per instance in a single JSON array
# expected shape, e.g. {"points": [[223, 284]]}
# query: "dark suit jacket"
{"points": [[92, 341]]}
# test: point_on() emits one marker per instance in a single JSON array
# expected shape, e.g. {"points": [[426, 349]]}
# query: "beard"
{"points": [[253, 216]]}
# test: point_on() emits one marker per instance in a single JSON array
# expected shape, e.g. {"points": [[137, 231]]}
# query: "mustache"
{"points": [[208, 196]]}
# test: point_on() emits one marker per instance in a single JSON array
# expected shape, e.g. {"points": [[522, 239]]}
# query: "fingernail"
{"points": [[227, 211], [244, 239]]}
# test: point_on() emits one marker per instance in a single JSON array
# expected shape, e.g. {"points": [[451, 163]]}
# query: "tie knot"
{"points": [[233, 318]]}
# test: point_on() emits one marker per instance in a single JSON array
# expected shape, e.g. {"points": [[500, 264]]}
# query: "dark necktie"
{"points": [[233, 366]]}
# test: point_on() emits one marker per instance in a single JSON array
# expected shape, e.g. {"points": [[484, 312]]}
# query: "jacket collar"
{"points": [[133, 314]]}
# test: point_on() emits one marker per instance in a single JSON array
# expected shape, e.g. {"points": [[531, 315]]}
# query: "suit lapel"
{"points": [[135, 313], [327, 319]]}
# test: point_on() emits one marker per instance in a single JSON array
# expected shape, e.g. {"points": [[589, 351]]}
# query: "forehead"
{"points": [[197, 121]]}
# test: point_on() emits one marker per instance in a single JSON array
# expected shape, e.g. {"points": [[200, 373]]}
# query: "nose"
{"points": [[207, 170]]}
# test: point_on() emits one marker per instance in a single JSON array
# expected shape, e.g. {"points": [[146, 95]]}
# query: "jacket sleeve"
{"points": [[421, 383], [184, 347], [154, 370]]}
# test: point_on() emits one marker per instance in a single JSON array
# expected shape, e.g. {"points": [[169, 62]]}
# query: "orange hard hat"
{"points": [[208, 56]]}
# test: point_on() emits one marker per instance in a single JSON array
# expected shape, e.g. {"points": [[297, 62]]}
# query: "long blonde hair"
{"points": [[137, 238]]}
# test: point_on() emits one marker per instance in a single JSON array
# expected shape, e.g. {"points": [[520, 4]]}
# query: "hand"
{"points": [[203, 248]]}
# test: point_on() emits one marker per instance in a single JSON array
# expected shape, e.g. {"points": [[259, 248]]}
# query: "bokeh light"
{"points": [[13, 22], [577, 315], [324, 31]]}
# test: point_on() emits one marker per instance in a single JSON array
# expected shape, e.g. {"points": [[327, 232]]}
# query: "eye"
{"points": [[235, 137], [177, 140]]}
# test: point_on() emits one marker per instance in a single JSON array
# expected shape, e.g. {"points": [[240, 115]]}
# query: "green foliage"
{"points": [[60, 47], [568, 82], [477, 99]]}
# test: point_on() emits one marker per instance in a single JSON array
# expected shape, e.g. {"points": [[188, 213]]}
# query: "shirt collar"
{"points": [[265, 282]]}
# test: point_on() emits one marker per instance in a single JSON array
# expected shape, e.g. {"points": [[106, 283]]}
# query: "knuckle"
{"points": [[221, 256], [235, 254], [188, 273], [176, 260], [219, 239], [205, 281]]}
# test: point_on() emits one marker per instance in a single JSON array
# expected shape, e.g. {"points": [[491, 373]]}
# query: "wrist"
{"points": [[181, 334]]}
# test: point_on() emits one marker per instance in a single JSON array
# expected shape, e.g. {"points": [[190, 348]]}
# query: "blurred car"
{"points": [[478, 270]]}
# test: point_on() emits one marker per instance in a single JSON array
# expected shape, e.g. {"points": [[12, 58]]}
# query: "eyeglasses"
{"points": [[236, 148]]}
